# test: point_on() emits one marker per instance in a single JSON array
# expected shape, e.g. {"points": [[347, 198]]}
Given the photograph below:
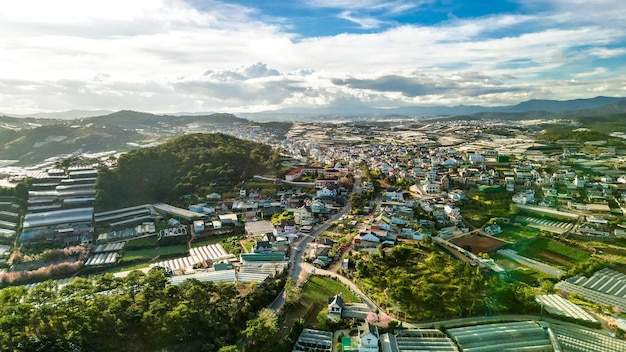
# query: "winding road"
{"points": [[297, 264]]}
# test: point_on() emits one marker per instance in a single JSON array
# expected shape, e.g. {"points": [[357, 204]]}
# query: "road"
{"points": [[344, 280], [297, 264]]}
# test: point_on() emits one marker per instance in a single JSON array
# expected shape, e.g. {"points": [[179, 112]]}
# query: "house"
{"points": [[198, 226], [368, 239], [510, 183], [326, 192], [228, 218], [456, 195], [262, 247], [294, 174], [493, 229], [335, 306], [430, 187], [524, 197], [326, 182], [394, 194], [337, 309], [368, 336], [303, 216], [286, 227]]}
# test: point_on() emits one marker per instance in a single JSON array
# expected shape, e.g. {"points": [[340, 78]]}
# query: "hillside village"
{"points": [[547, 214]]}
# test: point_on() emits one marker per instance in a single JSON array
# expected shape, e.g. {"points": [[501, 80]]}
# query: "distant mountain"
{"points": [[610, 109], [348, 109], [613, 110], [556, 106], [143, 120]]}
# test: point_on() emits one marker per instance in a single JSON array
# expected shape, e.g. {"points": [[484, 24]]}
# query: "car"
{"points": [[299, 249]]}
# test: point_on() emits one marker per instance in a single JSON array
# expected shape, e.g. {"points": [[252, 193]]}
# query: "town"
{"points": [[543, 216]]}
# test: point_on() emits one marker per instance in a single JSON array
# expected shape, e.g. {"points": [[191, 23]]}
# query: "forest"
{"points": [[181, 166], [141, 312], [423, 284]]}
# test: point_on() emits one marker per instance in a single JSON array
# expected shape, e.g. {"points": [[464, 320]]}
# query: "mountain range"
{"points": [[351, 108]]}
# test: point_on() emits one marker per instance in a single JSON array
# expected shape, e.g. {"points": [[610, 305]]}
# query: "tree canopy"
{"points": [[140, 312], [177, 167]]}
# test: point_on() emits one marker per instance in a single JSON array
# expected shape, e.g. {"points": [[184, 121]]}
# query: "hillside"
{"points": [[36, 144], [556, 106], [142, 120], [178, 167]]}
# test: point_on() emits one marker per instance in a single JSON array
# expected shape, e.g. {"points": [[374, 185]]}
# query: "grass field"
{"points": [[516, 233], [154, 252], [519, 272], [550, 251], [248, 244], [130, 267], [141, 243], [208, 241], [318, 289]]}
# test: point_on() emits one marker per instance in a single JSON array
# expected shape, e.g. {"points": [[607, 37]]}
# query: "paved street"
{"points": [[297, 265]]}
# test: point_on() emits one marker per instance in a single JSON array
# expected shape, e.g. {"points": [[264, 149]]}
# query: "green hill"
{"points": [[142, 120], [178, 166], [37, 144]]}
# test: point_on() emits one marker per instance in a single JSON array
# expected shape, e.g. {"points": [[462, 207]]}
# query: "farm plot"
{"points": [[516, 233], [553, 252], [478, 243]]}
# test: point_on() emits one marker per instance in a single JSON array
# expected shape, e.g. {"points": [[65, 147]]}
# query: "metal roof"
{"points": [[58, 217]]}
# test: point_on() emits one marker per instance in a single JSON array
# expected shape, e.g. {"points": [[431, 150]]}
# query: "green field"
{"points": [[319, 288], [141, 243], [154, 252], [518, 272], [516, 233], [210, 240], [129, 267], [551, 251], [248, 246]]}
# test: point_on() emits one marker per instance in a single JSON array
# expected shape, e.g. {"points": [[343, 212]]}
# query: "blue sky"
{"points": [[327, 18], [246, 56]]}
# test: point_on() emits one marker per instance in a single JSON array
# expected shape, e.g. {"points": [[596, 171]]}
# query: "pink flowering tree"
{"points": [[371, 317], [384, 320]]}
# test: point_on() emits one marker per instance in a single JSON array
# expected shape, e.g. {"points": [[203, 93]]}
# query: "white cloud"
{"points": [[363, 22], [606, 53], [169, 56], [596, 72]]}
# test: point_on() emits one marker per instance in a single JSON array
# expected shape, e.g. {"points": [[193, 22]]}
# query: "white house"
{"points": [[368, 335], [430, 187], [335, 306], [325, 192], [394, 194]]}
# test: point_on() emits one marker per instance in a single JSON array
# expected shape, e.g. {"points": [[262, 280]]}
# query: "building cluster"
{"points": [[60, 206], [472, 334]]}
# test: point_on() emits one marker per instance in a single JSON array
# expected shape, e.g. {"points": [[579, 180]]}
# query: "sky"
{"points": [[167, 56]]}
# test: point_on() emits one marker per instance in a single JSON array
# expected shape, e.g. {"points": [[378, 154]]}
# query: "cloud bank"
{"points": [[169, 56]]}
